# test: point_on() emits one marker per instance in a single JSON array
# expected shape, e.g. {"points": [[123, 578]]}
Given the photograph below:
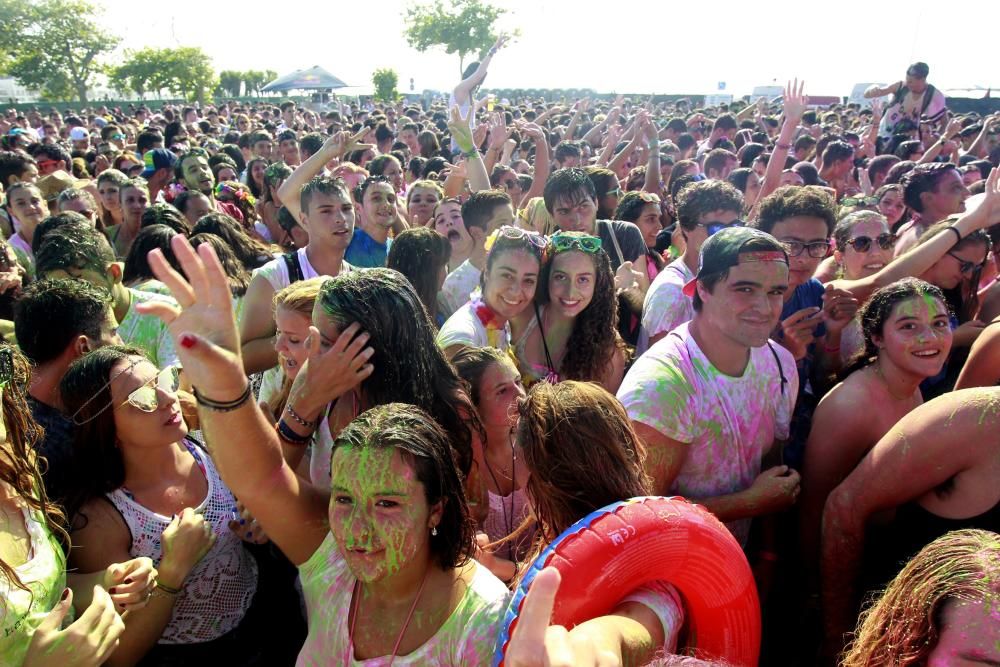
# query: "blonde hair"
{"points": [[299, 297]]}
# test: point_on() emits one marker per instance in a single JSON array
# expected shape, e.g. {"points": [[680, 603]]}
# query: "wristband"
{"points": [[958, 234], [286, 433], [469, 154], [782, 146], [167, 591], [221, 406], [305, 423]]}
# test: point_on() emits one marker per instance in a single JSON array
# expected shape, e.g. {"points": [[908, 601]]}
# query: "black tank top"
{"points": [[913, 528]]}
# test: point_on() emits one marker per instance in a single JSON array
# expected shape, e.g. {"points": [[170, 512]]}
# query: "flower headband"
{"points": [[239, 194]]}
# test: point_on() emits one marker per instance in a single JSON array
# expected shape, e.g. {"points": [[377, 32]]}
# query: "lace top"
{"points": [[218, 591]]}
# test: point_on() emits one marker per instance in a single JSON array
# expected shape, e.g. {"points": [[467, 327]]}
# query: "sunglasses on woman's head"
{"points": [[863, 244], [515, 233], [859, 201], [563, 242]]}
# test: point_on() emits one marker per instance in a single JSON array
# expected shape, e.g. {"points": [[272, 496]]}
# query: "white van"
{"points": [[858, 94]]}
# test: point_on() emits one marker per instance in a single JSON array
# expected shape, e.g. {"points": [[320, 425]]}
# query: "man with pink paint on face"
{"points": [[711, 399]]}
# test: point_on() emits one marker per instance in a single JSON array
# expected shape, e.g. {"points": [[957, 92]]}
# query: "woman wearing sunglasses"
{"points": [[144, 489], [513, 261], [573, 332], [37, 595]]}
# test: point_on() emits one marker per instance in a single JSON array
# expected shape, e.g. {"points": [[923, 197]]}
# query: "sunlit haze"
{"points": [[639, 47]]}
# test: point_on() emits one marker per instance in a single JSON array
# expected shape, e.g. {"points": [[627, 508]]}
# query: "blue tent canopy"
{"points": [[314, 78]]}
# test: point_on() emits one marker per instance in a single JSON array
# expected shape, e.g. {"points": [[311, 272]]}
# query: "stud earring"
{"points": [[434, 531]]}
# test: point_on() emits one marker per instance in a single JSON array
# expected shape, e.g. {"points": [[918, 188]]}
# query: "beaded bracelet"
{"points": [[305, 423], [222, 406]]}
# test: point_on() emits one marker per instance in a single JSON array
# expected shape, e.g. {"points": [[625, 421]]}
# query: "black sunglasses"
{"points": [[864, 243], [965, 266]]}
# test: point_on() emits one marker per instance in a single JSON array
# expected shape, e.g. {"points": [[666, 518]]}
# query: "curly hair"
{"points": [[409, 365], [594, 340], [582, 452], [701, 197], [790, 201], [903, 626], [21, 468]]}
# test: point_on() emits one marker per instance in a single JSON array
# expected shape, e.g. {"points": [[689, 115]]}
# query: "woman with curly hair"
{"points": [[573, 334], [940, 610]]}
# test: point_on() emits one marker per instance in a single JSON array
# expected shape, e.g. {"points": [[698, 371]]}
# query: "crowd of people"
{"points": [[293, 387]]}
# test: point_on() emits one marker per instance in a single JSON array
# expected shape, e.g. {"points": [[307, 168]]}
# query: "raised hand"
{"points": [[839, 307], [797, 330], [460, 129], [88, 641], [203, 326], [329, 374], [795, 101], [499, 132]]}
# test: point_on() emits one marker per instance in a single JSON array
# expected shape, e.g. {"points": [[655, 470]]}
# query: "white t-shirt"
{"points": [[465, 328], [728, 422], [665, 306], [458, 288]]}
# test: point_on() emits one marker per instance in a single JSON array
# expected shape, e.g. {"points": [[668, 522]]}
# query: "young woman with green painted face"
{"points": [[38, 599], [386, 540]]}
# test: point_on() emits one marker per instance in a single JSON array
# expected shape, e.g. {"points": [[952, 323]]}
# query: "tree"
{"points": [[385, 81], [231, 82], [254, 80], [462, 27], [53, 45], [185, 71]]}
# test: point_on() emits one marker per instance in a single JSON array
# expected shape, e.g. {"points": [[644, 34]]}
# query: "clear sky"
{"points": [[637, 47]]}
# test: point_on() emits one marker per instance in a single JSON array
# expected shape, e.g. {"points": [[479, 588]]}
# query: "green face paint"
{"points": [[378, 512]]}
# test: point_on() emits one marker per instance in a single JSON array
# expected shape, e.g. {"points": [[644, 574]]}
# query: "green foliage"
{"points": [[231, 82], [53, 45], [385, 82], [185, 71], [254, 80], [462, 27]]}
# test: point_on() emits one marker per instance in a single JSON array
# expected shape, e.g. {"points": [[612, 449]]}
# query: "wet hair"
{"points": [[471, 363], [923, 178], [701, 197], [876, 312], [50, 314], [568, 184], [903, 626], [425, 446], [594, 339], [480, 206], [906, 149], [419, 253], [837, 151], [53, 221], [251, 252], [879, 165], [582, 452], [22, 468], [790, 201], [165, 214], [332, 187], [151, 237], [73, 245], [237, 275], [750, 152], [409, 366]]}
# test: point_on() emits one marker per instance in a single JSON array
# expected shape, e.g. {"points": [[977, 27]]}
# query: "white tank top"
{"points": [[218, 591]]}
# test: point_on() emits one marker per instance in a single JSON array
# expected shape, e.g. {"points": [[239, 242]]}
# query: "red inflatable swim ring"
{"points": [[619, 548]]}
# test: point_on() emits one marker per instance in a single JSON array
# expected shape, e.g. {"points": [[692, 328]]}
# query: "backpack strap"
{"points": [[294, 267], [781, 371]]}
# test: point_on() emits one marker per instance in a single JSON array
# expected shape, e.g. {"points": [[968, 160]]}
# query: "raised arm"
{"points": [[338, 145], [927, 447], [652, 182], [242, 442], [875, 91], [542, 160], [461, 132], [795, 106], [463, 91], [944, 143], [920, 258]]}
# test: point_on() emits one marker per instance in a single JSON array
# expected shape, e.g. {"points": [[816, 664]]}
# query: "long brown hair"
{"points": [[20, 466], [903, 626], [579, 445]]}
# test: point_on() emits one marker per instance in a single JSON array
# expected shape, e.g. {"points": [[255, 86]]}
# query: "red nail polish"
{"points": [[187, 341], [64, 595], [111, 590]]}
